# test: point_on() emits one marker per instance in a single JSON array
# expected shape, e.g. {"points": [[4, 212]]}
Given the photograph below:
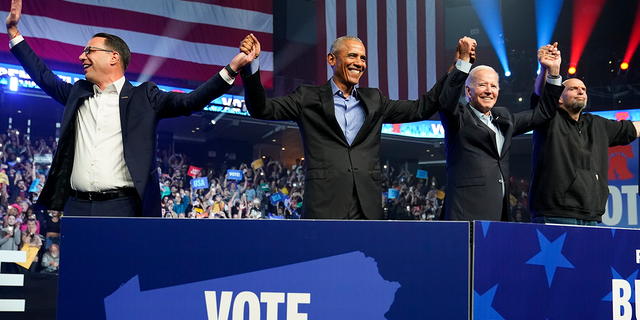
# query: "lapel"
{"points": [[125, 97], [486, 128], [506, 127], [85, 91], [367, 106], [326, 99]]}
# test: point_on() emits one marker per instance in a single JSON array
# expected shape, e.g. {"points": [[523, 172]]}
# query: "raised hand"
{"points": [[550, 58], [466, 49], [13, 18], [249, 51]]}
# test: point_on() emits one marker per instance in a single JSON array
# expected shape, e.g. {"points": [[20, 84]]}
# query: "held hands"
{"points": [[249, 51], [13, 18], [466, 49], [550, 59]]}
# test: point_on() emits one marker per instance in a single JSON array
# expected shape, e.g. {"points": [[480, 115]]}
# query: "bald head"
{"points": [[574, 97]]}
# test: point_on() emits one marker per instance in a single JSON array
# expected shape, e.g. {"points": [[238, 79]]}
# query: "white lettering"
{"points": [[637, 284], [437, 128], [237, 103], [249, 298], [620, 295], [212, 305], [293, 300], [272, 299], [632, 203], [16, 280], [616, 205], [227, 101], [638, 256]]}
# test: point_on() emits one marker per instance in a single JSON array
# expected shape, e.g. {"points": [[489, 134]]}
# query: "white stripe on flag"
{"points": [[392, 48], [431, 42], [352, 18], [142, 43], [330, 14], [412, 50], [372, 43], [12, 305], [194, 12]]}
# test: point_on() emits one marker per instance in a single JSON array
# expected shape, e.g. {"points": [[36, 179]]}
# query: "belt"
{"points": [[104, 195]]}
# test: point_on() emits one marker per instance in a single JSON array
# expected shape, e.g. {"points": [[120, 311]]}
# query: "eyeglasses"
{"points": [[90, 49]]}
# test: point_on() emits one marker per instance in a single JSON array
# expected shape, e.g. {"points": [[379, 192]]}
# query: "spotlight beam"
{"points": [[547, 13], [585, 15], [489, 13], [634, 39]]}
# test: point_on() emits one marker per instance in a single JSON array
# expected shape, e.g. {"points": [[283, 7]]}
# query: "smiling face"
{"points": [[348, 63], [482, 90], [98, 64]]}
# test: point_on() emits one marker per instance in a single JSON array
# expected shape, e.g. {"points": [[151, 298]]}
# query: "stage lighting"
{"points": [[624, 66], [572, 70], [13, 84], [507, 73]]}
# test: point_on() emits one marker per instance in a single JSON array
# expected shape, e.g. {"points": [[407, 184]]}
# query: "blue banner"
{"points": [[278, 197], [199, 183], [421, 174], [34, 185], [393, 193], [234, 175], [291, 278], [531, 271]]}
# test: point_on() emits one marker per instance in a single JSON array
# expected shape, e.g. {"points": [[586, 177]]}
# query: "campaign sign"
{"points": [[194, 171], [532, 271], [307, 270], [278, 197], [234, 175], [393, 193], [34, 185], [199, 183], [622, 206], [421, 174]]}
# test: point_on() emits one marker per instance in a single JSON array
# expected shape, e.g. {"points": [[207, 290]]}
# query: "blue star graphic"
{"points": [[550, 256], [631, 279], [485, 227], [482, 308]]}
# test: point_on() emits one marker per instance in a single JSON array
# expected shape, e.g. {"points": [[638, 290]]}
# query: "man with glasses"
{"points": [[104, 164]]}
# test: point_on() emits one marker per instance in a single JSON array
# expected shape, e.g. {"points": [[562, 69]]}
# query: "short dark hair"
{"points": [[115, 43]]}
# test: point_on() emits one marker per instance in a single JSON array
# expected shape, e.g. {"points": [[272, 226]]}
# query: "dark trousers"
{"points": [[119, 207]]}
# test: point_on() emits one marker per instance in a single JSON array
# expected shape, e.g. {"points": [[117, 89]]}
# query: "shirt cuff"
{"points": [[253, 67], [463, 66], [555, 82], [226, 77], [15, 41]]}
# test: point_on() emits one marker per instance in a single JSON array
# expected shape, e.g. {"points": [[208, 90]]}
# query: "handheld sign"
{"points": [[421, 174], [393, 193], [234, 175], [34, 185], [193, 171], [199, 183], [257, 164]]}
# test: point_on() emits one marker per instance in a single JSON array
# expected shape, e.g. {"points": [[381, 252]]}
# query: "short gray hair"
{"points": [[473, 77], [338, 44]]}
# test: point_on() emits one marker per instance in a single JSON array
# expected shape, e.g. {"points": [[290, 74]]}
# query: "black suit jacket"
{"points": [[333, 167], [474, 167], [140, 110]]}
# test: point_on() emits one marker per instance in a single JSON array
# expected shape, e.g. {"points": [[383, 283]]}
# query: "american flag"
{"points": [[399, 35], [190, 40]]}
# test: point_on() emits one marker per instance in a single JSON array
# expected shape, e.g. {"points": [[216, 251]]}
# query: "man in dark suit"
{"points": [[341, 128], [104, 164], [477, 140]]}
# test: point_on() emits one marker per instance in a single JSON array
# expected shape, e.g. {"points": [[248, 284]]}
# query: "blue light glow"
{"points": [[489, 13], [507, 73], [547, 12]]}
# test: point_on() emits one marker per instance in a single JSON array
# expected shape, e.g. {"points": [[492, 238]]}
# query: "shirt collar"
{"points": [[482, 115], [115, 86], [566, 115], [335, 90]]}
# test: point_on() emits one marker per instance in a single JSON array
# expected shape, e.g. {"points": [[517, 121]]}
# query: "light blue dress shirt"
{"points": [[349, 112]]}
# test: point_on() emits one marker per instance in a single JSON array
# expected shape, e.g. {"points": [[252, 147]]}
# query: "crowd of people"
{"points": [[267, 189]]}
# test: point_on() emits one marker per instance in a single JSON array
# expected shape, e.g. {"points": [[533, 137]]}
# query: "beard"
{"points": [[579, 104]]}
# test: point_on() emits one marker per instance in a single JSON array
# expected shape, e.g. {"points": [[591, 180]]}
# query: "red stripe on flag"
{"points": [[422, 49], [170, 68], [145, 23], [403, 83], [253, 5], [362, 34], [382, 47], [321, 35], [341, 18]]}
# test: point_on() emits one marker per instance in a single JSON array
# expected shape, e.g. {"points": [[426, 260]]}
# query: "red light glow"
{"points": [[572, 70], [634, 39], [624, 66], [585, 15]]}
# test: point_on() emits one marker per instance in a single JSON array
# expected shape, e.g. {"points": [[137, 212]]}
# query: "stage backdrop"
{"points": [[189, 40], [120, 269]]}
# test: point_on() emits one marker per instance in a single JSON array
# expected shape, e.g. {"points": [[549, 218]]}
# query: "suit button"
{"points": [[350, 169], [500, 181]]}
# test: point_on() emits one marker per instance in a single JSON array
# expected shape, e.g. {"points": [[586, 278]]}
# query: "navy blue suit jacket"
{"points": [[141, 108]]}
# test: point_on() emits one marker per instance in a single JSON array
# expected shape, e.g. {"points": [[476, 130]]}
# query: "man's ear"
{"points": [[331, 59], [115, 57], [467, 91]]}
